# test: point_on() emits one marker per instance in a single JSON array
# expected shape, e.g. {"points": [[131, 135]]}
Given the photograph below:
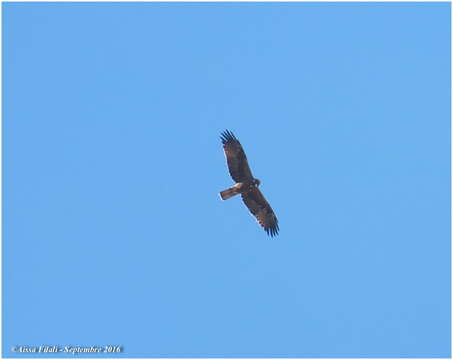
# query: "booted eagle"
{"points": [[246, 184]]}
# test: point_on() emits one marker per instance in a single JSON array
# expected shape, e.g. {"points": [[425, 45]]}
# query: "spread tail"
{"points": [[226, 194]]}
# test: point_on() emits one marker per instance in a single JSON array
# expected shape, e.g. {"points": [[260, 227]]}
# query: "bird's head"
{"points": [[256, 182]]}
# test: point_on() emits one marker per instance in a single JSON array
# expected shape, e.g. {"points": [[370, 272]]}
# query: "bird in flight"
{"points": [[246, 184]]}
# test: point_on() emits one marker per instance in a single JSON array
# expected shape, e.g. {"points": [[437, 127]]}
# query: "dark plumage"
{"points": [[246, 184]]}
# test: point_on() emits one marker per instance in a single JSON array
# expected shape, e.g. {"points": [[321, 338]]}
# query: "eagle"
{"points": [[246, 184]]}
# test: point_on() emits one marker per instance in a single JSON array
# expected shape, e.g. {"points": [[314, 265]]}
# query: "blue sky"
{"points": [[114, 233]]}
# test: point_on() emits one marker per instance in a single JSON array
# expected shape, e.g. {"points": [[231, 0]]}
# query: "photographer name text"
{"points": [[108, 349]]}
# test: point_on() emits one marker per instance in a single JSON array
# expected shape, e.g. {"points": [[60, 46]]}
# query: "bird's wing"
{"points": [[261, 209], [238, 165]]}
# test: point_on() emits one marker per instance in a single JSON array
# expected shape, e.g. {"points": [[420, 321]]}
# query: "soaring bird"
{"points": [[246, 184]]}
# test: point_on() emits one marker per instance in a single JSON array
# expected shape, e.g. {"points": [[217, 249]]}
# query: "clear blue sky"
{"points": [[114, 233]]}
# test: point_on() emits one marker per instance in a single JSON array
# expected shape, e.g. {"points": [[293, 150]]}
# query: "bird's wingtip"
{"points": [[227, 136]]}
